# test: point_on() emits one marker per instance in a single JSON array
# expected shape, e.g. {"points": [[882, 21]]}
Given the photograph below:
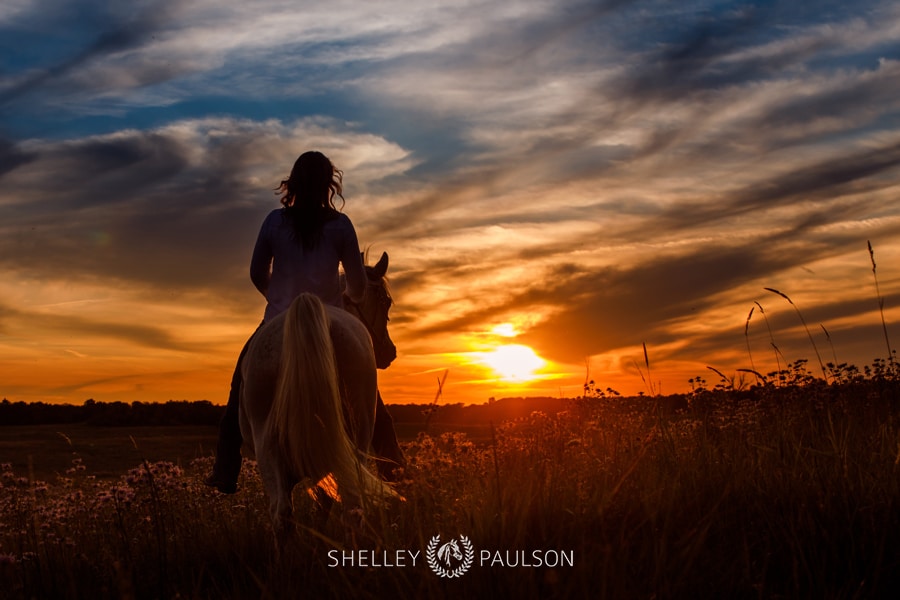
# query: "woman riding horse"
{"points": [[299, 249]]}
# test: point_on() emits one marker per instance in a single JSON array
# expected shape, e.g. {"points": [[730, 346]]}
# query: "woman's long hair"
{"points": [[308, 196]]}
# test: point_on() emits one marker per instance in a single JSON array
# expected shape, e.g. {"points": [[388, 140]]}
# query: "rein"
{"points": [[354, 308]]}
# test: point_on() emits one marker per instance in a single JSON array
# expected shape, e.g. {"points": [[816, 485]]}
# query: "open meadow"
{"points": [[41, 452], [778, 491]]}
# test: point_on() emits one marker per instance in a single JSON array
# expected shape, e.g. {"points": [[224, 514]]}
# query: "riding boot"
{"points": [[388, 454], [225, 472], [228, 450]]}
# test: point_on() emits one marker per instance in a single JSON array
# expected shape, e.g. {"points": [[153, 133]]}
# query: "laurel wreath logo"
{"points": [[431, 555]]}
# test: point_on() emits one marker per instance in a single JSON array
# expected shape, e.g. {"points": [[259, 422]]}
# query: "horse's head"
{"points": [[448, 549], [373, 312]]}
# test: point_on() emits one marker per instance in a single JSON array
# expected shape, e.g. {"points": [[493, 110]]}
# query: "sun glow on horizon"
{"points": [[514, 363]]}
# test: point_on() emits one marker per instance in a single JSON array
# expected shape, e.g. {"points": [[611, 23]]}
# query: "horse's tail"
{"points": [[307, 420]]}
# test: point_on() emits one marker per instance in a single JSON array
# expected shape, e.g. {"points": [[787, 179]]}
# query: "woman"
{"points": [[298, 249]]}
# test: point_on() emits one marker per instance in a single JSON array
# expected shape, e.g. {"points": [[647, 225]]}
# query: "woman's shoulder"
{"points": [[273, 215], [274, 218], [338, 220], [272, 224]]}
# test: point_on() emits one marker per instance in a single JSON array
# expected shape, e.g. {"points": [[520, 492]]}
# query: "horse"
{"points": [[448, 549], [307, 406]]}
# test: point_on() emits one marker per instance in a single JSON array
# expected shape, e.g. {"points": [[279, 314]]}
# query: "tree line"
{"points": [[173, 412], [204, 412]]}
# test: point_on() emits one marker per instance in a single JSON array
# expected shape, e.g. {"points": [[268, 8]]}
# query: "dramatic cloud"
{"points": [[600, 175], [165, 207]]}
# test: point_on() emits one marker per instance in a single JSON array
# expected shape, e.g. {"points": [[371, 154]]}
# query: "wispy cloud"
{"points": [[603, 173]]}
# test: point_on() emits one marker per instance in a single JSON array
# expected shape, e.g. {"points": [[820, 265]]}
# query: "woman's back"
{"points": [[296, 268]]}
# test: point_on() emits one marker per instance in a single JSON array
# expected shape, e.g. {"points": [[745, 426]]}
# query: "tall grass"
{"points": [[803, 321], [887, 340], [648, 380], [790, 491]]}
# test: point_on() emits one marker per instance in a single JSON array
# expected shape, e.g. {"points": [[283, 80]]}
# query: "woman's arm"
{"points": [[261, 262], [352, 261]]}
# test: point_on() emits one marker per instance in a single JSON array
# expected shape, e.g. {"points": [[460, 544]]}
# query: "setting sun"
{"points": [[513, 362]]}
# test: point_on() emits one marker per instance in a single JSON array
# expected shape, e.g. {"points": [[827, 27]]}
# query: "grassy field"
{"points": [[42, 452], [779, 492]]}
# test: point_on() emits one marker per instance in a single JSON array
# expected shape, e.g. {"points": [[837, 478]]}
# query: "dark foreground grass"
{"points": [[789, 492]]}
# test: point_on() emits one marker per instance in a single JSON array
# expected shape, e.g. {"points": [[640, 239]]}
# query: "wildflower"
{"points": [[124, 494]]}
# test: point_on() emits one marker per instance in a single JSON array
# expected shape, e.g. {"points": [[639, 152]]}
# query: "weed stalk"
{"points": [[880, 304], [747, 339], [803, 321], [432, 409], [648, 381], [771, 336]]}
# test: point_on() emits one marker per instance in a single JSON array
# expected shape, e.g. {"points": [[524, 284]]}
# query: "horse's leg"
{"points": [[281, 506], [385, 447], [323, 505], [353, 518]]}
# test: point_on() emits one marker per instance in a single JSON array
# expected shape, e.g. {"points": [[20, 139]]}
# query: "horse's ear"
{"points": [[381, 266]]}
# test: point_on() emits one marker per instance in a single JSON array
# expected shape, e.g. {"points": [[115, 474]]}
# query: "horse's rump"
{"points": [[309, 380], [308, 397]]}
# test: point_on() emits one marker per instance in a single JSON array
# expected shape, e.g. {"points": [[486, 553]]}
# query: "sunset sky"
{"points": [[556, 182]]}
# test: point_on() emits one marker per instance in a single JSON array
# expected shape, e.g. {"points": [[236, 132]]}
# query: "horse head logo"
{"points": [[442, 557], [448, 549]]}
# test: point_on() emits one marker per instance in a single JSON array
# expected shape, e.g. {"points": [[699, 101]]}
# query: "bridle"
{"points": [[373, 322]]}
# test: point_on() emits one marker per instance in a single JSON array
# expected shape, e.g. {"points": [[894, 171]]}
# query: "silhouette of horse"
{"points": [[308, 399]]}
